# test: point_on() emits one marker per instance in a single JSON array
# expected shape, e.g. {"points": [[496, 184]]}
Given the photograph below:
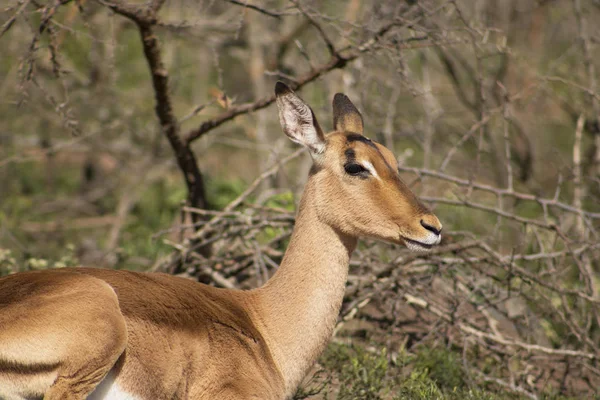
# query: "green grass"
{"points": [[353, 372]]}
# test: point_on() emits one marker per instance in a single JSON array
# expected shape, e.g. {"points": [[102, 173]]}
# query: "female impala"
{"points": [[114, 335]]}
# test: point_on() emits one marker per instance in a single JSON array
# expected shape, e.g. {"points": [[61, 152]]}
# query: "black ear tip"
{"points": [[341, 99], [282, 88]]}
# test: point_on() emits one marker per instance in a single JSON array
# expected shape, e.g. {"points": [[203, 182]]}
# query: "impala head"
{"points": [[354, 180]]}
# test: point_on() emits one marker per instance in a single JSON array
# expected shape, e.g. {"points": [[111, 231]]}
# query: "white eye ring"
{"points": [[369, 167]]}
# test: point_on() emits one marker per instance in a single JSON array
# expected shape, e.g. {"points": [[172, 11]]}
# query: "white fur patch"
{"points": [[110, 390], [370, 168], [431, 239]]}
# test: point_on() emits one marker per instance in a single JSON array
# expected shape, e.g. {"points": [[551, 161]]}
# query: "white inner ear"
{"points": [[298, 123]]}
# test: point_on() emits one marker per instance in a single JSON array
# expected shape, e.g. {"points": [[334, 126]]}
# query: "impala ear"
{"points": [[346, 118], [298, 120]]}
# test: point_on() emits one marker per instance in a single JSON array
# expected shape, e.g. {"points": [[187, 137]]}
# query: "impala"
{"points": [[91, 333]]}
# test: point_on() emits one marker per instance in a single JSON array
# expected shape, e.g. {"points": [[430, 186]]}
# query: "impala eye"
{"points": [[355, 169]]}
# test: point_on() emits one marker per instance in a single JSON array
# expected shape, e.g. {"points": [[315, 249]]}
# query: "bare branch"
{"points": [[319, 28], [335, 62], [9, 22], [136, 13], [256, 8], [591, 73], [578, 190], [169, 124], [233, 112], [501, 192]]}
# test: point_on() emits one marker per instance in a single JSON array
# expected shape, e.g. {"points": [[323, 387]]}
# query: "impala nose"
{"points": [[429, 226]]}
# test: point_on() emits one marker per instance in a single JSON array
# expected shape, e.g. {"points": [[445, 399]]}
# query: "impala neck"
{"points": [[301, 302]]}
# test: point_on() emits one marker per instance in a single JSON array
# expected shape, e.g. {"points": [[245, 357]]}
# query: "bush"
{"points": [[352, 372]]}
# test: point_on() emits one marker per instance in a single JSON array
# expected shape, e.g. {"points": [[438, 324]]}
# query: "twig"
{"points": [[330, 46], [138, 14], [554, 202], [237, 201], [578, 189], [9, 23], [256, 8], [197, 110], [335, 62], [505, 126], [526, 346]]}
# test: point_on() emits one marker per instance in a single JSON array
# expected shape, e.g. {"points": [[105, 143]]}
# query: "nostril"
{"points": [[430, 228]]}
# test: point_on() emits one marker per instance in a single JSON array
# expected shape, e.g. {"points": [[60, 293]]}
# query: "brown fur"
{"points": [[162, 337], [346, 118], [164, 332]]}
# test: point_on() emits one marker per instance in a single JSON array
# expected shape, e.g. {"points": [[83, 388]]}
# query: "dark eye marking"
{"points": [[350, 155], [355, 137], [356, 169]]}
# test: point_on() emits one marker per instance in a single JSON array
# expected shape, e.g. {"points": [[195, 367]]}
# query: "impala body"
{"points": [[86, 333]]}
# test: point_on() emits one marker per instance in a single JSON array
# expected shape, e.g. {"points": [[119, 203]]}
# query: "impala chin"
{"points": [[422, 244]]}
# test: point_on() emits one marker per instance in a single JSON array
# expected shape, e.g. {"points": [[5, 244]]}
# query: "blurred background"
{"points": [[166, 154]]}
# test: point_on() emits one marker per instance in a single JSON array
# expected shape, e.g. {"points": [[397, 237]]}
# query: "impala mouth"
{"points": [[417, 244]]}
